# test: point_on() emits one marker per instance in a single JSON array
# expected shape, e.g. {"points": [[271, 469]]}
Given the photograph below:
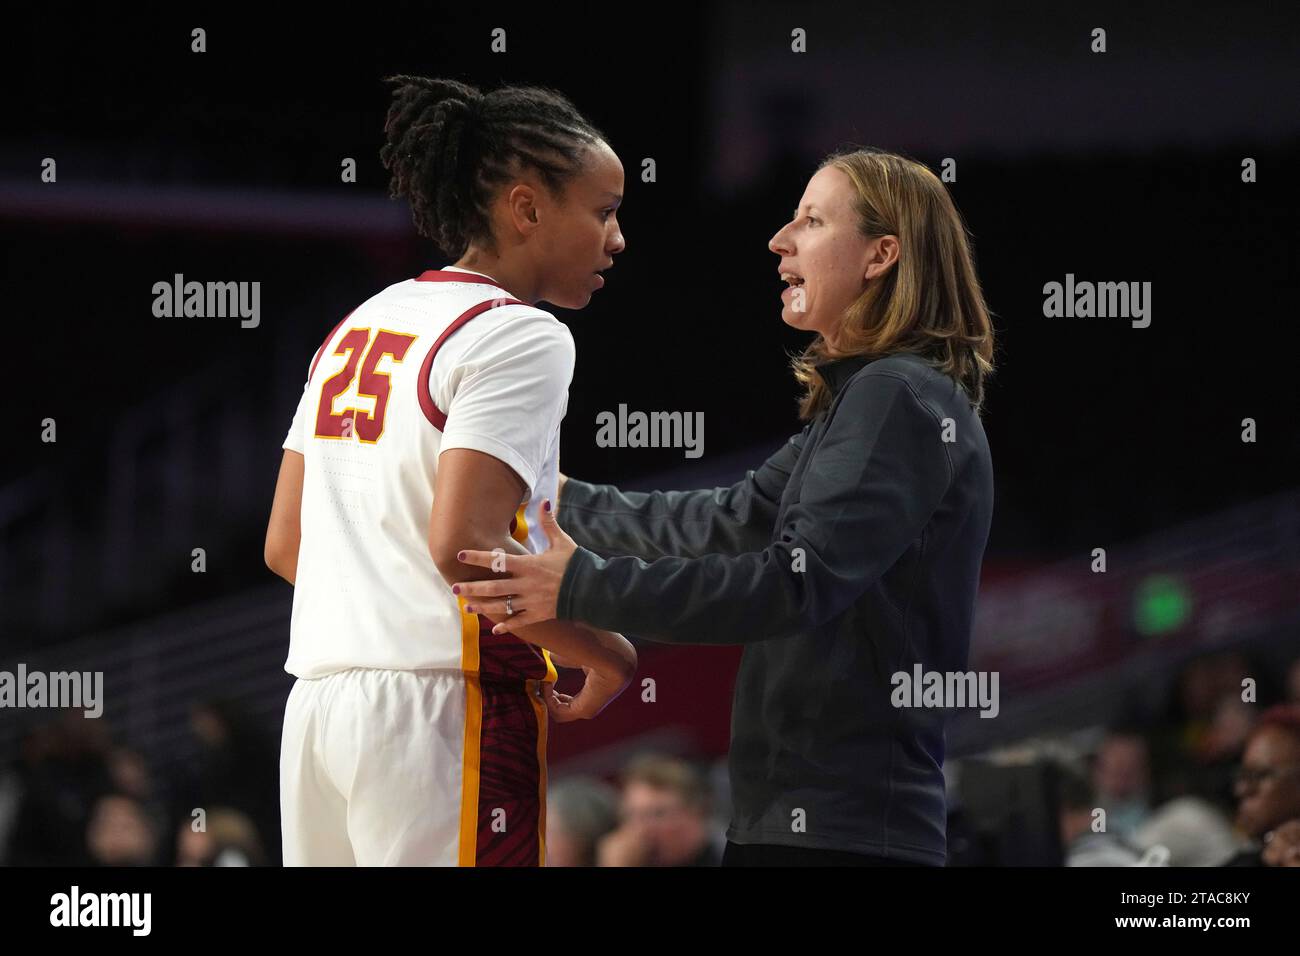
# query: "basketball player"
{"points": [[414, 735]]}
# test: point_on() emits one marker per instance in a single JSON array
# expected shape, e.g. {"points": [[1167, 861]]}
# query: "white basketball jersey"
{"points": [[445, 360]]}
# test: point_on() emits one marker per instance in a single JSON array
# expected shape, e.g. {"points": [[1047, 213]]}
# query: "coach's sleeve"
{"points": [[511, 394], [684, 524], [875, 480]]}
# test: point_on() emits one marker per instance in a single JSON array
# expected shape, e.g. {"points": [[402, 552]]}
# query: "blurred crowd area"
{"points": [[1214, 782]]}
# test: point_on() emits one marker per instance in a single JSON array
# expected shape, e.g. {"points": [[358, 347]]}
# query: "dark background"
{"points": [[1122, 166], [1119, 166]]}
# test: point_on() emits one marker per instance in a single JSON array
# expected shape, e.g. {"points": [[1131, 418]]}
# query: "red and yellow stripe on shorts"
{"points": [[503, 791]]}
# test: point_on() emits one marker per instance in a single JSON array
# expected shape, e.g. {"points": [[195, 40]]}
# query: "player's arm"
{"points": [[474, 499], [284, 530]]}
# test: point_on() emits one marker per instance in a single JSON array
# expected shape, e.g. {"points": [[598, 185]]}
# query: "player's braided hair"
{"points": [[449, 145]]}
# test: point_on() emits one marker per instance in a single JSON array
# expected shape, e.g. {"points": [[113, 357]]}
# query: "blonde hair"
{"points": [[930, 303]]}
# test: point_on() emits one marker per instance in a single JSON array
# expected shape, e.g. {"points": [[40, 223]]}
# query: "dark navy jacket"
{"points": [[852, 554]]}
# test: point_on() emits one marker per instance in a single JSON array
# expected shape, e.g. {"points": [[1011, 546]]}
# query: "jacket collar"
{"points": [[837, 372]]}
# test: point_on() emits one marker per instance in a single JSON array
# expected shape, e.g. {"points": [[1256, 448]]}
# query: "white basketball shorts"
{"points": [[413, 768]]}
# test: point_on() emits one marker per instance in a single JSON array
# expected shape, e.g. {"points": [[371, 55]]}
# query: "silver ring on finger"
{"points": [[510, 607]]}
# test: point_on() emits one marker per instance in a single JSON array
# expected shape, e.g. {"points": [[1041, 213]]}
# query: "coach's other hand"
{"points": [[532, 581]]}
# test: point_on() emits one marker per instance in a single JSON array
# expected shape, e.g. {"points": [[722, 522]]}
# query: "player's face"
{"points": [[824, 248], [581, 234]]}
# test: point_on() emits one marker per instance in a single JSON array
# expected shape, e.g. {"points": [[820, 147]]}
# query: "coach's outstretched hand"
{"points": [[532, 581]]}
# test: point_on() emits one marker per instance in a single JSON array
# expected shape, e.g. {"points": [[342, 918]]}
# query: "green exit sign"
{"points": [[1162, 604]]}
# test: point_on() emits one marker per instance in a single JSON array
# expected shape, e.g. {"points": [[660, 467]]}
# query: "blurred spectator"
{"points": [[1268, 782], [579, 812], [130, 773], [665, 813], [1086, 836], [238, 768], [1283, 845], [228, 838], [1121, 780], [63, 770], [120, 832], [1198, 750], [1225, 738], [1192, 832]]}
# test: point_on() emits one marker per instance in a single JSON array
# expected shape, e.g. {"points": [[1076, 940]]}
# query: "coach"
{"points": [[850, 555]]}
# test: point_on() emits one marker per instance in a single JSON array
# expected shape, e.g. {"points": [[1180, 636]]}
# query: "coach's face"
{"points": [[826, 261]]}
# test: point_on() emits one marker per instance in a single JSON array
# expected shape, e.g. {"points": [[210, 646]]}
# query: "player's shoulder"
{"points": [[515, 325], [497, 321]]}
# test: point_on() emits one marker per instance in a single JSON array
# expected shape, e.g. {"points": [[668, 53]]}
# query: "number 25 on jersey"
{"points": [[371, 384]]}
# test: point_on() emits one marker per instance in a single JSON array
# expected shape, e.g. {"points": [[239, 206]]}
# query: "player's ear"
{"points": [[522, 202]]}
